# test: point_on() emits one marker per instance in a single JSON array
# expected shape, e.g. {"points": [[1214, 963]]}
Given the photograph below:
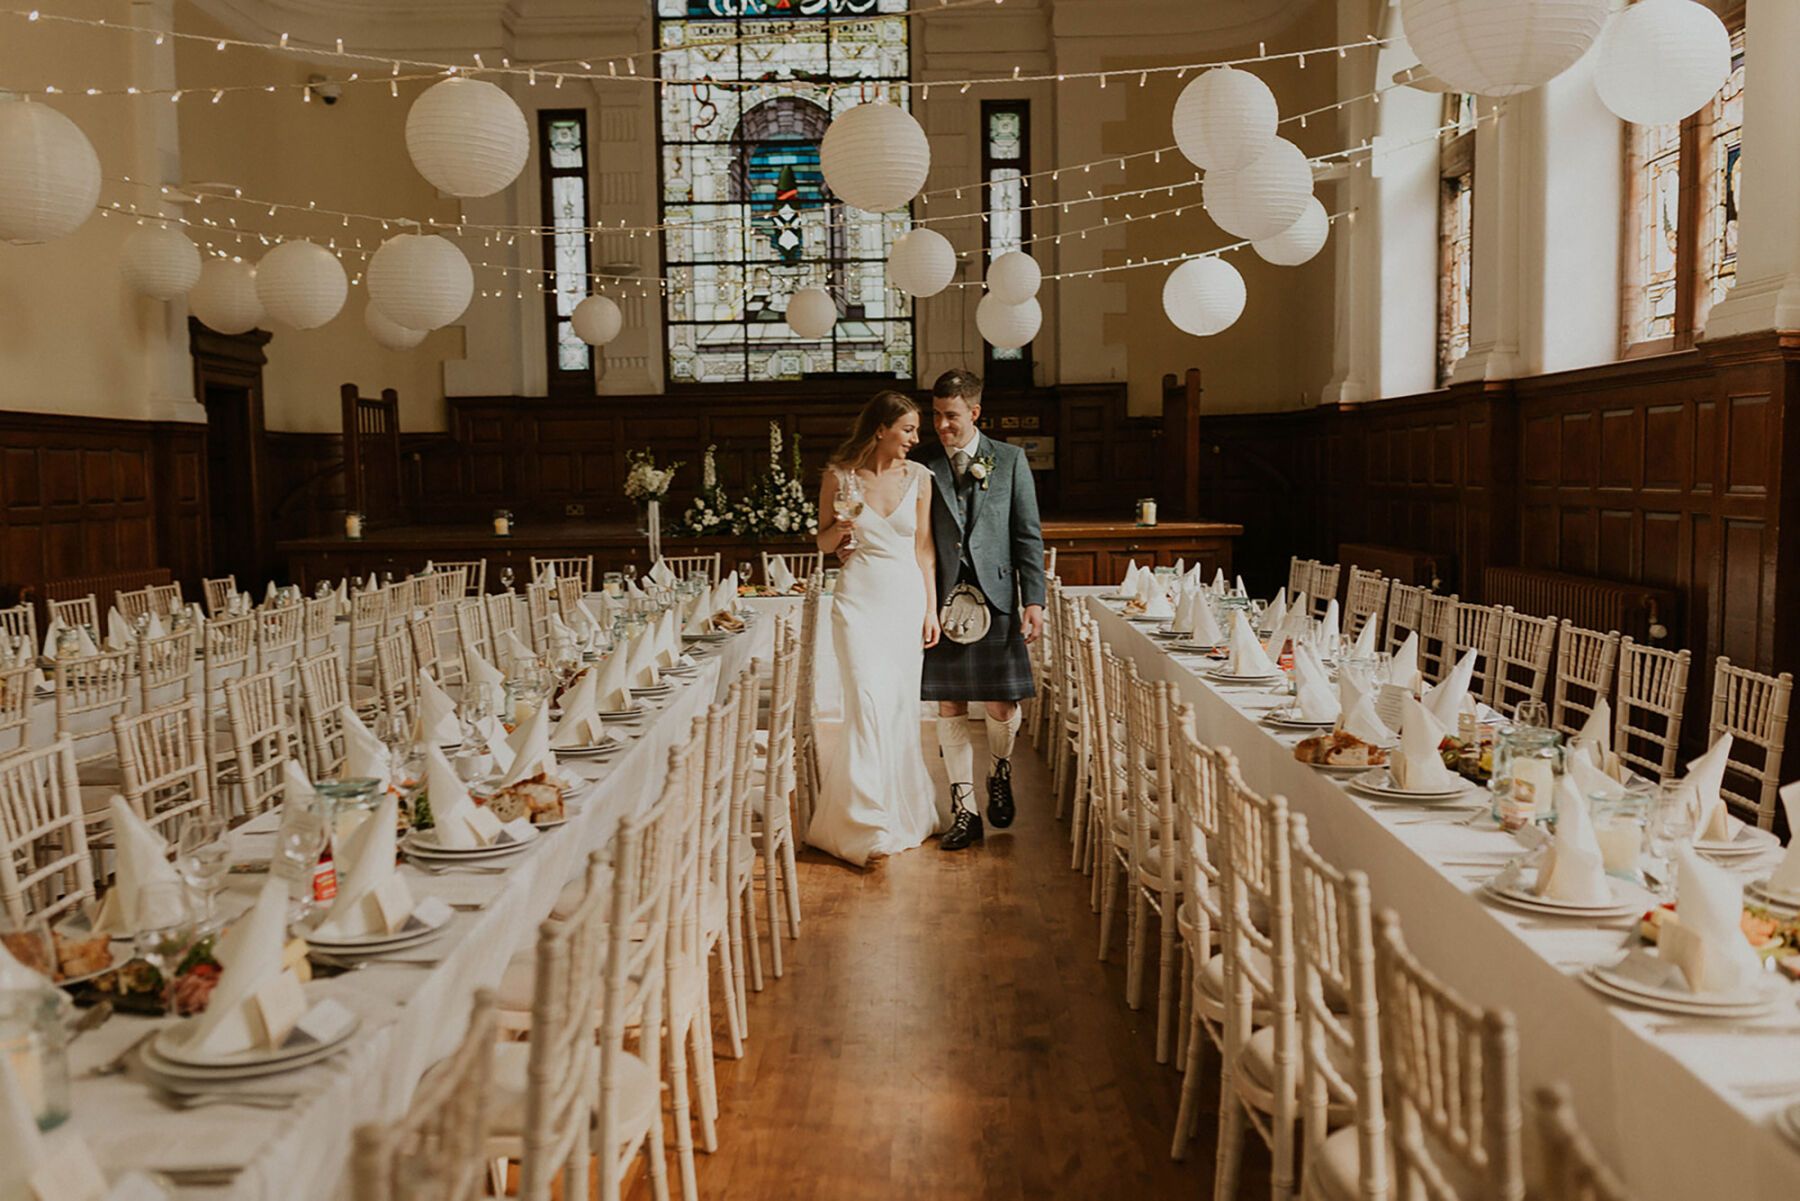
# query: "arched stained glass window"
{"points": [[748, 217]]}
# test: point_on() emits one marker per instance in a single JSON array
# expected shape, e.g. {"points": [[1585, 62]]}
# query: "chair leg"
{"points": [[752, 935], [700, 1041], [734, 1030], [575, 1167], [657, 1163], [683, 1104], [771, 891], [790, 881], [1107, 880], [1230, 1155], [1167, 970], [1188, 1115], [735, 919], [1184, 989], [1137, 942]]}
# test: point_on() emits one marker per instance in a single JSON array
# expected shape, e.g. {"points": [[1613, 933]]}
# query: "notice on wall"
{"points": [[1040, 450]]}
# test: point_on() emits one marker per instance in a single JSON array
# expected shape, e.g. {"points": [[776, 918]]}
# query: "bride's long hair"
{"points": [[883, 409]]}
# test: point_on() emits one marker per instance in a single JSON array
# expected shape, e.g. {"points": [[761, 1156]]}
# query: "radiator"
{"points": [[1646, 614], [1414, 567]]}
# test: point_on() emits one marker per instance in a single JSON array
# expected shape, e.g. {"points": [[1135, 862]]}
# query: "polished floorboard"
{"points": [[945, 1030]]}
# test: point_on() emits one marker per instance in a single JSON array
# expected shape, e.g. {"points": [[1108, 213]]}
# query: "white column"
{"points": [[1501, 142], [1767, 293]]}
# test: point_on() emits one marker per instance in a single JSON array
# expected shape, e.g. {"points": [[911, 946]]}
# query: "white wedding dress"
{"points": [[878, 797]]}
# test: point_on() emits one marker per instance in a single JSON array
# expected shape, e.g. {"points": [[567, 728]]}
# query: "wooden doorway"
{"points": [[228, 381]]}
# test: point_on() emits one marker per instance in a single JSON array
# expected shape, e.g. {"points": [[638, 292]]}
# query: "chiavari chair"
{"points": [[134, 604], [16, 698], [166, 669], [1071, 740], [687, 1020], [280, 640], [434, 1152], [802, 565], [1343, 1125], [579, 566], [318, 624], [1155, 887], [259, 739], [1299, 577], [1478, 630], [708, 567], [1405, 615], [227, 652], [745, 938], [368, 622], [396, 690], [1112, 777], [1753, 709], [808, 774], [717, 782], [45, 868], [20, 621], [324, 702], [568, 594], [472, 634], [1439, 628], [422, 634], [1527, 645], [448, 582], [474, 576], [1201, 779], [502, 618], [1450, 1083], [1586, 665], [1648, 707], [772, 820], [165, 599], [1571, 1169], [90, 691], [219, 593], [84, 611], [539, 601], [1049, 560], [163, 767], [1365, 597], [1037, 710], [1324, 588]]}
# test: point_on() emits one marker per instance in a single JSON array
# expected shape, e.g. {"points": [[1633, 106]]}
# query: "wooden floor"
{"points": [[944, 1030]]}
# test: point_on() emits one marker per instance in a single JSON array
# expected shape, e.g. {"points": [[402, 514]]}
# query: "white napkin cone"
{"points": [[515, 654], [155, 628], [343, 598], [1417, 766], [699, 621], [269, 591], [661, 575], [1573, 869], [21, 1144], [1359, 721], [1129, 585], [1595, 735], [780, 578], [1705, 774], [459, 822], [1590, 781], [613, 694], [1365, 640], [1296, 624], [1329, 630], [365, 758], [120, 636], [587, 617], [1239, 584], [1180, 567], [640, 662], [250, 952], [1157, 605], [560, 631], [1276, 613], [1314, 698], [668, 641], [530, 745], [1445, 698], [1218, 582], [486, 679], [729, 587], [371, 583], [547, 578], [1786, 878], [1183, 620], [1706, 940], [437, 722], [1403, 668], [494, 735], [633, 591], [365, 864], [1248, 658], [580, 724], [1206, 631], [141, 857]]}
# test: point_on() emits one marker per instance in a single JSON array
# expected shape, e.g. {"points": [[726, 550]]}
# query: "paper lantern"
{"points": [[1660, 60], [301, 284], [1225, 119], [420, 281], [1007, 326], [388, 334], [1500, 47], [1262, 199], [224, 298], [49, 173], [597, 320], [812, 312], [1204, 296], [467, 137], [1299, 241], [160, 261], [922, 263], [1014, 277], [875, 157]]}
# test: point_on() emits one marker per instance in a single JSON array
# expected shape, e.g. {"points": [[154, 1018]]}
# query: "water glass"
{"points": [[1527, 760], [1668, 832], [743, 571], [506, 578], [164, 927], [298, 844], [33, 1038], [203, 858]]}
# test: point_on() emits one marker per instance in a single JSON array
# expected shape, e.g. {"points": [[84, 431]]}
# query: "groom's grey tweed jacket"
{"points": [[999, 536]]}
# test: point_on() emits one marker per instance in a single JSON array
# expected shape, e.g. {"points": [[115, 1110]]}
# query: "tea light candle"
{"points": [[1621, 840], [353, 525], [1534, 786], [502, 526]]}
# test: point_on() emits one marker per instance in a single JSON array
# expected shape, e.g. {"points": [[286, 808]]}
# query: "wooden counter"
{"points": [[1087, 552]]}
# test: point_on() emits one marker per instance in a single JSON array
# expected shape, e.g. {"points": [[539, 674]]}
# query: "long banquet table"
{"points": [[412, 1013], [1664, 1109]]}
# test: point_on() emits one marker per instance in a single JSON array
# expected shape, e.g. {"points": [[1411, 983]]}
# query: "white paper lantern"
{"points": [[49, 173], [225, 297], [875, 157], [1500, 47], [467, 137], [811, 313], [1014, 277], [597, 320], [301, 284], [1007, 326], [1661, 60], [922, 263], [1264, 198], [1225, 119], [388, 334], [1204, 296], [160, 261], [420, 281], [1299, 241]]}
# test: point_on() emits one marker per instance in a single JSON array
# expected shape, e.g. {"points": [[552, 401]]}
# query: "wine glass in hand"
{"points": [[847, 505]]}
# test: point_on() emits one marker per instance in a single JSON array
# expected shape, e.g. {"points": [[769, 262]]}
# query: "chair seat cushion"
{"points": [[639, 1093], [1256, 1066], [1334, 1172]]}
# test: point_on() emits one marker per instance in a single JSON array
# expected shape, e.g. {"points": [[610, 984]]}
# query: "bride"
{"points": [[878, 798]]}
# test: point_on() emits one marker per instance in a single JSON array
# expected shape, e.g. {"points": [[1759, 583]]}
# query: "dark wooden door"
{"points": [[231, 492]]}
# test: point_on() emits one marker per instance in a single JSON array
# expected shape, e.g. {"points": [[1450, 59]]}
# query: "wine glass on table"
{"points": [[1673, 817], [744, 570], [629, 571], [203, 857], [164, 928], [847, 505], [506, 578]]}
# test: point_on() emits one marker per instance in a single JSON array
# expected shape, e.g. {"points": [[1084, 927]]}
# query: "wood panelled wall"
{"points": [[82, 496]]}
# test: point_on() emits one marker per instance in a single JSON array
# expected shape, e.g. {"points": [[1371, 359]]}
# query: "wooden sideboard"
{"points": [[1086, 552]]}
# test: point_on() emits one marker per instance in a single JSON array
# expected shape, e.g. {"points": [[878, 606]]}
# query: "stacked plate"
{"points": [[1775, 898], [1676, 998], [593, 750], [712, 635], [1379, 781], [1517, 896], [421, 845], [417, 928], [1749, 841], [169, 1062], [661, 689], [1225, 676], [1194, 648], [1290, 719]]}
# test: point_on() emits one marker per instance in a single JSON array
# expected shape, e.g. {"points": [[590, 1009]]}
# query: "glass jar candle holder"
{"points": [[1619, 829], [503, 523], [613, 584], [353, 526], [1527, 761], [1146, 511], [348, 802]]}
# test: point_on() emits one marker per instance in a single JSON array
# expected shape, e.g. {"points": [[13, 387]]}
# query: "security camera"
{"points": [[328, 90]]}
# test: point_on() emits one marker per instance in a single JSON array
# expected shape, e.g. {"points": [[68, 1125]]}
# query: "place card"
{"points": [[393, 901], [1647, 969], [280, 1003], [326, 1021], [69, 1173], [484, 825], [519, 829]]}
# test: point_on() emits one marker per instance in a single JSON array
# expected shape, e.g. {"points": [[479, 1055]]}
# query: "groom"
{"points": [[984, 520]]}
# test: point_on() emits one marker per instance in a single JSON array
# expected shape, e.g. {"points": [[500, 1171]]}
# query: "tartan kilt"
{"points": [[998, 668]]}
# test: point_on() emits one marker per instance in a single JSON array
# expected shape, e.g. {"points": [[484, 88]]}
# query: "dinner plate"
{"points": [[1679, 1000], [1287, 722], [1341, 769], [1759, 887], [169, 1045], [1224, 676], [401, 942], [1166, 633], [1380, 782], [1146, 617], [597, 751], [623, 714], [415, 844], [1196, 648], [416, 929], [1749, 841], [658, 690], [713, 635], [158, 1062], [1523, 898]]}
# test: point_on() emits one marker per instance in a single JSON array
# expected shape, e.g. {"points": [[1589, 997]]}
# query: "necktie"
{"points": [[961, 461]]}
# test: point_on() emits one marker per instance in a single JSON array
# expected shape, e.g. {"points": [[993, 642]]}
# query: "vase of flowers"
{"points": [[710, 511], [647, 484], [777, 506]]}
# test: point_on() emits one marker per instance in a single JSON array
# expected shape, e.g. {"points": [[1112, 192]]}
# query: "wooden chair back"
{"points": [[1149, 780], [472, 634], [165, 599], [255, 708], [80, 612], [166, 668], [1405, 615], [474, 576], [568, 594], [16, 698], [1648, 707], [1365, 598], [163, 766], [45, 870], [1299, 577], [20, 621], [579, 566], [318, 624], [368, 622], [802, 565], [280, 635], [90, 691], [423, 635], [133, 603], [539, 600], [1450, 1083], [1438, 630], [1527, 644], [1753, 709], [218, 594], [1201, 775], [708, 567], [1570, 1168], [396, 688], [502, 617], [1478, 630], [1586, 665], [1324, 590], [324, 703]]}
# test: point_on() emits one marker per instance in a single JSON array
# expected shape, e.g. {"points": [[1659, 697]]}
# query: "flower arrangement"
{"points": [[777, 505], [646, 481], [709, 512]]}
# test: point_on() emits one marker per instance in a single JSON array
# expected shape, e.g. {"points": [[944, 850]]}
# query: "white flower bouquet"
{"points": [[646, 481]]}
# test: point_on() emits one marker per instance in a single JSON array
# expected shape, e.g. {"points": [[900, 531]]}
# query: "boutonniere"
{"points": [[980, 468]]}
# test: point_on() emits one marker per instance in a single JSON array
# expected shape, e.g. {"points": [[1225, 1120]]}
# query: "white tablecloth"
{"points": [[1661, 1107], [411, 1015]]}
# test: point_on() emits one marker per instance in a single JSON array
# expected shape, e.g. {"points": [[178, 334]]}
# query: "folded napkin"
{"points": [[1417, 766], [296, 788], [494, 735], [1445, 698], [1705, 940], [1714, 822], [1157, 604], [580, 724], [370, 584], [1248, 658], [253, 986], [560, 633], [459, 822], [437, 722], [269, 592], [1275, 614], [343, 598], [513, 652], [1573, 868], [372, 898], [1314, 698], [1359, 721], [1205, 631], [1595, 738], [613, 693], [1296, 624], [1239, 585], [1147, 585], [661, 575], [120, 636], [486, 679], [1329, 630], [586, 616], [530, 747], [1218, 582], [1180, 566], [56, 628], [699, 620], [1590, 781], [633, 591], [1403, 668], [1786, 877], [1365, 641], [1129, 585], [365, 758], [668, 642], [155, 628], [640, 661], [547, 578], [728, 587], [141, 859], [1183, 620]]}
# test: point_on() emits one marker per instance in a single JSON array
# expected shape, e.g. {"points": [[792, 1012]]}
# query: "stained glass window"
{"points": [[749, 219], [1724, 165], [562, 141], [1456, 231], [1006, 138], [1659, 229]]}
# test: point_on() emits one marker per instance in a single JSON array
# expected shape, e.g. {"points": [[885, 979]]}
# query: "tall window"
{"points": [[562, 155], [748, 218], [1456, 230], [1005, 161], [1682, 217]]}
